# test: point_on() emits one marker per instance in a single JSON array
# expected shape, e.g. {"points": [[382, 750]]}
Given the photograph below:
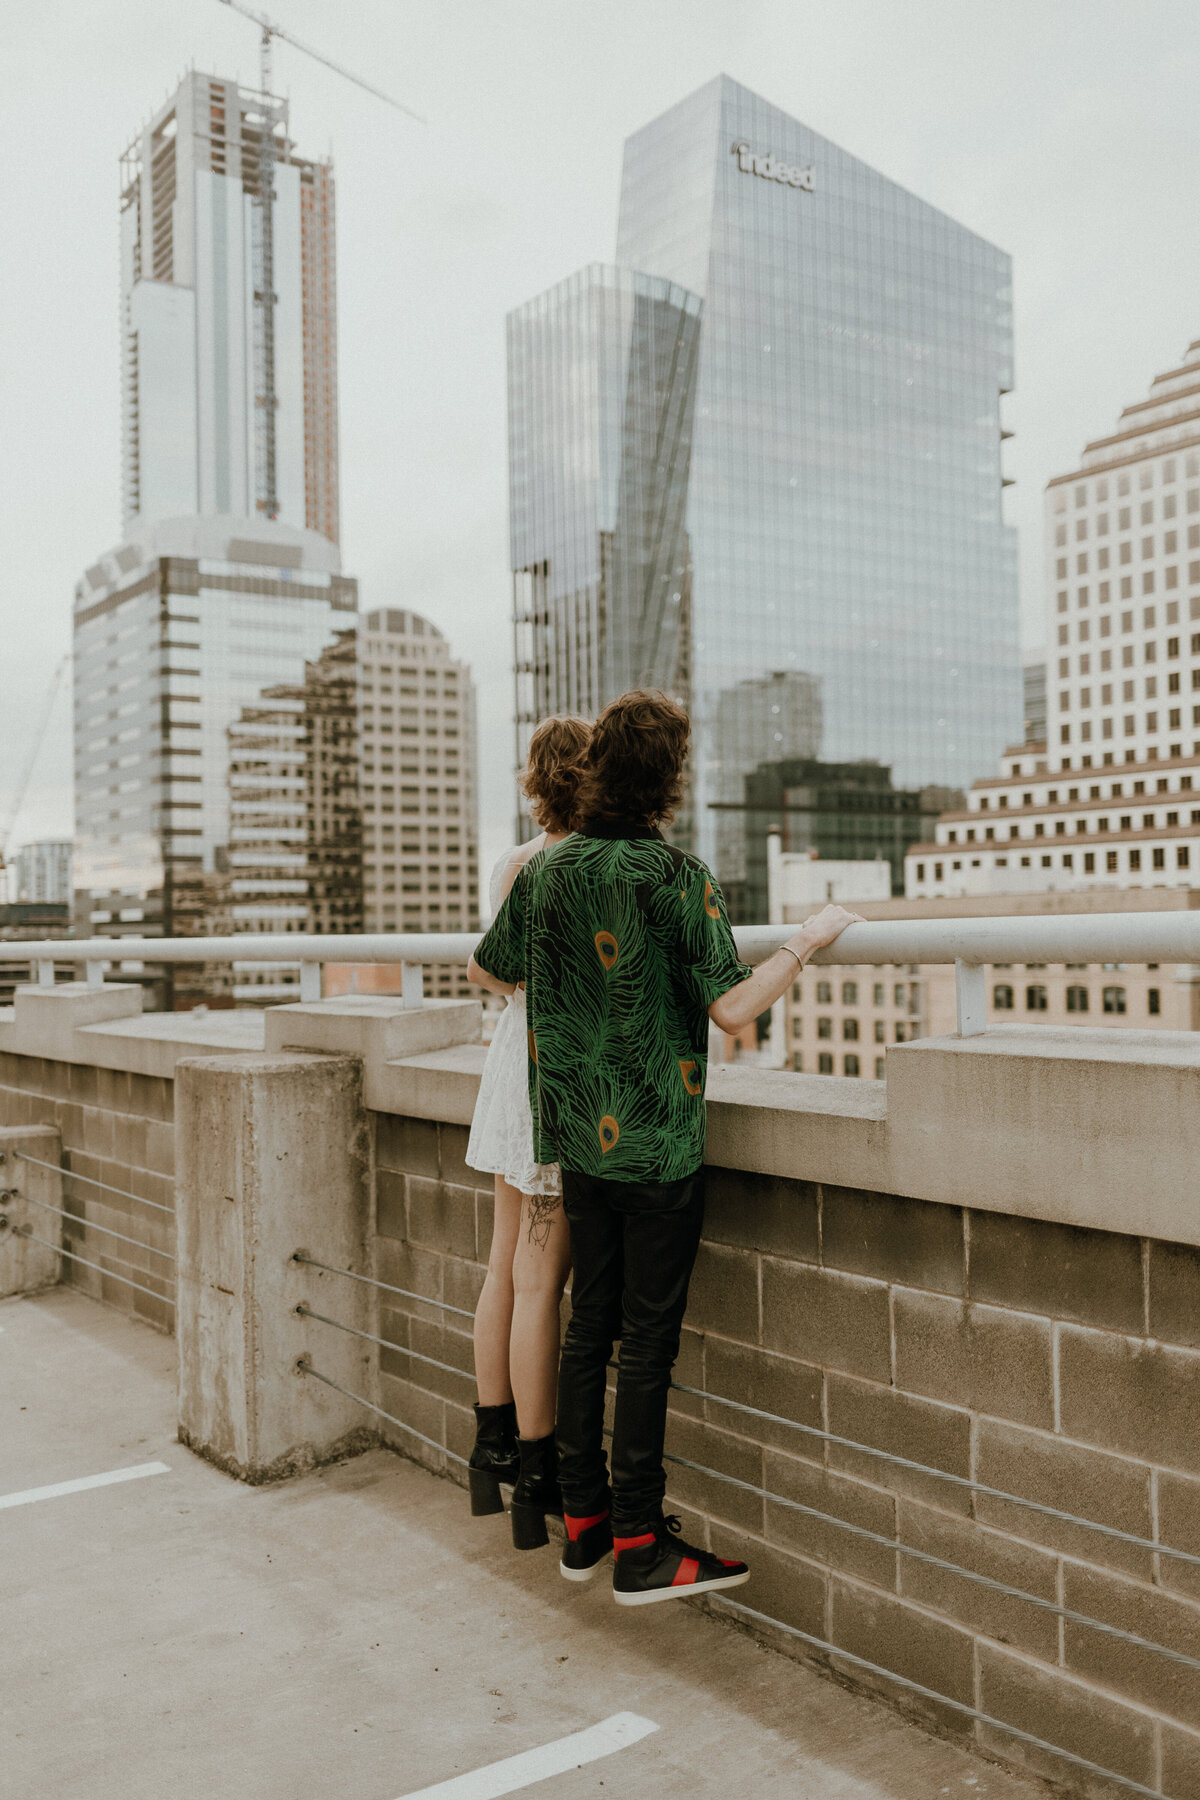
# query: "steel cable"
{"points": [[74, 1175], [373, 1281], [938, 1562], [830, 1437], [94, 1225], [306, 1368], [306, 1312], [976, 1487], [99, 1267]]}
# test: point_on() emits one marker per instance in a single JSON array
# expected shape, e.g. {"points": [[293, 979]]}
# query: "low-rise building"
{"points": [[1033, 829]]}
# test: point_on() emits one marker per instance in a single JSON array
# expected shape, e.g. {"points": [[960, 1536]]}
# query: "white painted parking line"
{"points": [[27, 1496], [522, 1771]]}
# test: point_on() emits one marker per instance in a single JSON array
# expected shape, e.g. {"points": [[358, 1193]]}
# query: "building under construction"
{"points": [[229, 315]]}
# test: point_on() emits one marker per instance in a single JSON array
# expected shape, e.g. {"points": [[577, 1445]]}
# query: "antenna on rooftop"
{"points": [[268, 31]]}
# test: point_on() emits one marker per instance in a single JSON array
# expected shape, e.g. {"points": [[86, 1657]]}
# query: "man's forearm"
{"points": [[742, 1004]]}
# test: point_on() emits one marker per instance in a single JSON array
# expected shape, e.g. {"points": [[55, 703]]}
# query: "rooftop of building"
{"points": [[937, 1380], [1149, 427]]}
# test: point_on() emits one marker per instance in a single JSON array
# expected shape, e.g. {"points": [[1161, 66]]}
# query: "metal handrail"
{"points": [[1137, 937], [970, 944]]}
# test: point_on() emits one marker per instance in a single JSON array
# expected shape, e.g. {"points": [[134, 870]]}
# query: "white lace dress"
{"points": [[501, 1141]]}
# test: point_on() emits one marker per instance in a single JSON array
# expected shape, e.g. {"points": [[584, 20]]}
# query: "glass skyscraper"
{"points": [[843, 511], [602, 389]]}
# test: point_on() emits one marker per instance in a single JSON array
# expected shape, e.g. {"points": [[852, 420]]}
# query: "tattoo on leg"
{"points": [[542, 1208]]}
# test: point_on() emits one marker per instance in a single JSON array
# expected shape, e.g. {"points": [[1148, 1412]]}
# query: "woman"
{"points": [[517, 1318]]}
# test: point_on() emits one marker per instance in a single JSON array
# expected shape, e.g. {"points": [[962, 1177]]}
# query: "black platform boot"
{"points": [[536, 1493], [494, 1458]]}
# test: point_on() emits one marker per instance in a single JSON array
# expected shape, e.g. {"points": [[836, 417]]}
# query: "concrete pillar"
{"points": [[272, 1156], [25, 1266]]}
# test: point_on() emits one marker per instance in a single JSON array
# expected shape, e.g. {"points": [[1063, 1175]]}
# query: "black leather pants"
{"points": [[633, 1245]]}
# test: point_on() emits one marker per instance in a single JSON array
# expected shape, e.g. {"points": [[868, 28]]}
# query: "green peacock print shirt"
{"points": [[623, 943]]}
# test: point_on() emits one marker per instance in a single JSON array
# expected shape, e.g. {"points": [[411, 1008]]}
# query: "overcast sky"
{"points": [[1063, 130]]}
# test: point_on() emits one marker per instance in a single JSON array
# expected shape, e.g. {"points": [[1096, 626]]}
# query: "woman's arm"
{"points": [[521, 855], [742, 1004], [494, 985], [515, 864]]}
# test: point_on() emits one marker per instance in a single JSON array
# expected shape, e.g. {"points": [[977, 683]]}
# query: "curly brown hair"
{"points": [[635, 761], [553, 768]]}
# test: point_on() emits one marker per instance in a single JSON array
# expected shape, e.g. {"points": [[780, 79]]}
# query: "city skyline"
{"points": [[389, 475]]}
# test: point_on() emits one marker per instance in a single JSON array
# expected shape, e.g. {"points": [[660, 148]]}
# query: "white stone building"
{"points": [[419, 781], [1109, 800]]}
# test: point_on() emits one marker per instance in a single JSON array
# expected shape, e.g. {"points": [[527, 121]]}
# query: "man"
{"points": [[626, 953]]}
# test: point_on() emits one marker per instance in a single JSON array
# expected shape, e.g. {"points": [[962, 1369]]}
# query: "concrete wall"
{"points": [[1057, 1363], [89, 1062], [434, 1228], [117, 1128], [991, 1267]]}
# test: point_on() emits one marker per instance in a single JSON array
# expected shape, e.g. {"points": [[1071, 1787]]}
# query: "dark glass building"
{"points": [[839, 812]]}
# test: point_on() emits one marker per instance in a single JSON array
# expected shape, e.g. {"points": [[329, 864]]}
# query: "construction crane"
{"points": [[268, 31], [31, 756]]}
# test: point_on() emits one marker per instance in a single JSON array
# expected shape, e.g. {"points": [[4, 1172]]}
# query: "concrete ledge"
{"points": [[1080, 1125], [1083, 1126], [442, 1085], [376, 1027], [812, 1126], [105, 1027]]}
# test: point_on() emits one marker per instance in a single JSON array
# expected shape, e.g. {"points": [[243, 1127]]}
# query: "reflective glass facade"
{"points": [[602, 387], [844, 505]]}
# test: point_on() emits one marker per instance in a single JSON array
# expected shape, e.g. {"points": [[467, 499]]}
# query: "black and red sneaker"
{"points": [[658, 1565], [588, 1542]]}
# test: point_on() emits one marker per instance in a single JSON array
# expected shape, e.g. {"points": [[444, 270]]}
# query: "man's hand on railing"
{"points": [[821, 929], [745, 1002]]}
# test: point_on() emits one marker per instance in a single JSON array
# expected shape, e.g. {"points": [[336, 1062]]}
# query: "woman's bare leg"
{"points": [[493, 1315], [542, 1256]]}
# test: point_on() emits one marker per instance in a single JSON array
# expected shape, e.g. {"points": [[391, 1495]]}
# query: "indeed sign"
{"points": [[771, 168]]}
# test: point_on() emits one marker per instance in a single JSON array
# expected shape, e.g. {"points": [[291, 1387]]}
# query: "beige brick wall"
{"points": [[1062, 1365], [118, 1128], [434, 1227]]}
